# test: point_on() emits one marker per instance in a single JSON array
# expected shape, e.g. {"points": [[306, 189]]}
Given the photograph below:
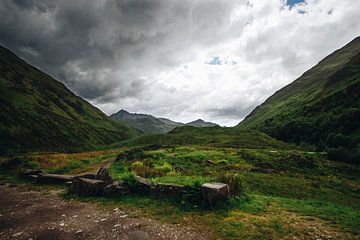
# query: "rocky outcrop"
{"points": [[87, 187], [103, 174], [214, 193], [116, 189], [143, 185]]}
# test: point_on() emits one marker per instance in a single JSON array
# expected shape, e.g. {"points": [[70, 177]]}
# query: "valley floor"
{"points": [[288, 194], [42, 214]]}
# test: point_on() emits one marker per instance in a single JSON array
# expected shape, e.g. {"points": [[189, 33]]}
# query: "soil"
{"points": [[43, 214]]}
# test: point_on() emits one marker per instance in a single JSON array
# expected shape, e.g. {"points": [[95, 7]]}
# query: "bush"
{"points": [[344, 155], [234, 180], [18, 164]]}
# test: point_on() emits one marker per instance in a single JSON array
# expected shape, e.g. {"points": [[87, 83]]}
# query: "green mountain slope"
{"points": [[39, 113], [153, 125], [320, 108], [210, 136]]}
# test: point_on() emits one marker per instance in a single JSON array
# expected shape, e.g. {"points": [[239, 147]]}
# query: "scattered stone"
{"points": [[211, 162], [88, 187], [103, 174], [87, 175], [169, 190], [17, 234], [79, 231], [144, 184], [31, 173], [123, 216], [118, 188], [138, 235], [62, 224], [53, 178], [215, 192]]}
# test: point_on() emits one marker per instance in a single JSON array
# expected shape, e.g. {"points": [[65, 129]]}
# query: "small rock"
{"points": [[138, 235], [62, 224], [104, 219], [123, 216], [17, 234], [79, 231]]}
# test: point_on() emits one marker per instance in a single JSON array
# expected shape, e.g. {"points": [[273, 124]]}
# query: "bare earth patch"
{"points": [[45, 215]]}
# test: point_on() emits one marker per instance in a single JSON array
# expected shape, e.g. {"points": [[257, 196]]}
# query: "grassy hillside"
{"points": [[39, 113], [209, 136], [321, 108]]}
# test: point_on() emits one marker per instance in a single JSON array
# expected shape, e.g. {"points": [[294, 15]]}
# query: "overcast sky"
{"points": [[188, 59]]}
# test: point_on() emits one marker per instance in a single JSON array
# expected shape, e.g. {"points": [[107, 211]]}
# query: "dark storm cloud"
{"points": [[152, 55]]}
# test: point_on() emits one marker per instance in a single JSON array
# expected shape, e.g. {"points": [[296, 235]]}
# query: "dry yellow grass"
{"points": [[56, 160]]}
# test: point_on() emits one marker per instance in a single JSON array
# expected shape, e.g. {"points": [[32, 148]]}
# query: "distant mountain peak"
{"points": [[150, 124], [201, 123]]}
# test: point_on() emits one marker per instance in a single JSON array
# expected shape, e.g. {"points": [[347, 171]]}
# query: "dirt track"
{"points": [[44, 215]]}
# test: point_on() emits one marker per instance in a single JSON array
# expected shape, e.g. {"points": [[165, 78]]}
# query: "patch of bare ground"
{"points": [[43, 214]]}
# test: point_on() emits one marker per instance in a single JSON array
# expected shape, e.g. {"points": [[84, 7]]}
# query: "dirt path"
{"points": [[45, 215]]}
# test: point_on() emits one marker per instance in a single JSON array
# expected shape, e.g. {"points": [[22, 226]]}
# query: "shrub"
{"points": [[137, 164], [18, 164], [165, 167], [234, 180], [344, 155]]}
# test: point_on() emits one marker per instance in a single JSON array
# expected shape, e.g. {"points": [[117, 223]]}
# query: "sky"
{"points": [[210, 59]]}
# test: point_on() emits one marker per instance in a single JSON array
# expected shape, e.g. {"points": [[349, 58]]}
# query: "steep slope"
{"points": [[39, 113], [153, 125], [145, 123], [320, 108], [201, 123]]}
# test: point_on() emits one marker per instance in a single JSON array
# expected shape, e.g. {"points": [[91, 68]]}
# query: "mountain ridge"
{"points": [[154, 125]]}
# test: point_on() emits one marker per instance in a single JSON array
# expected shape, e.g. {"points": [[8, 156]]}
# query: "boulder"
{"points": [[53, 178], [31, 174], [118, 188], [169, 190], [103, 174], [144, 184], [88, 187], [214, 193]]}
